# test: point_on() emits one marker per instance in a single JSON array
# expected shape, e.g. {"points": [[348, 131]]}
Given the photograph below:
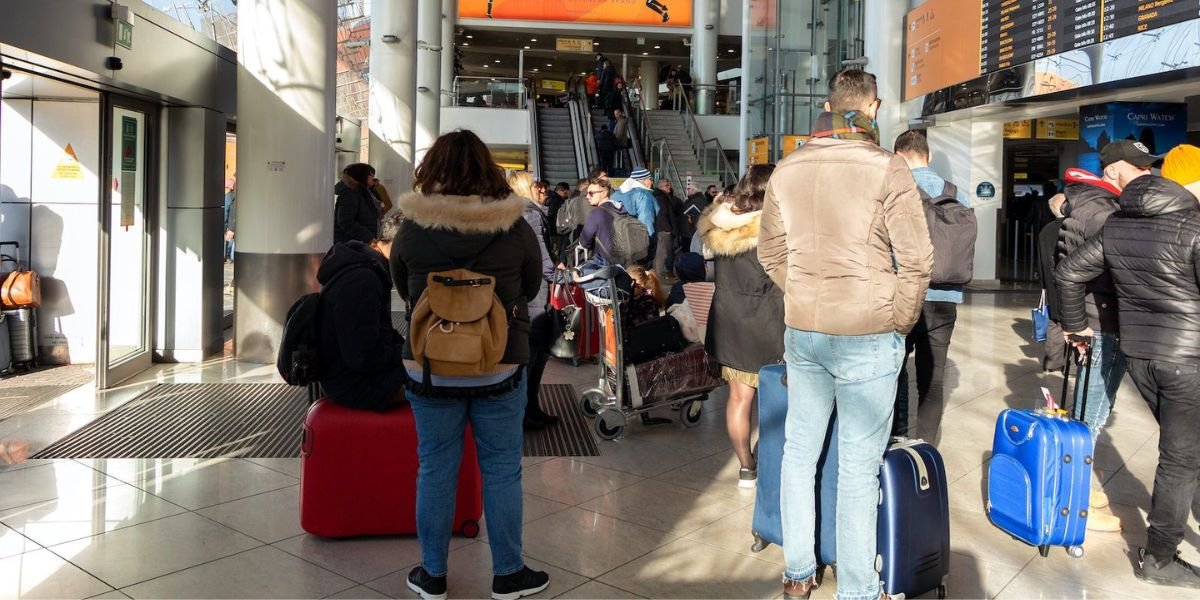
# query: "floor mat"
{"points": [[257, 420], [572, 436], [23, 392]]}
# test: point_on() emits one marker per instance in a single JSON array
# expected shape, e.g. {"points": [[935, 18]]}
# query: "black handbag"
{"points": [[567, 328]]}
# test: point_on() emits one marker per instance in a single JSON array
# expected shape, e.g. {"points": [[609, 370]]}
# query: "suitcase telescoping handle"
{"points": [[1085, 369], [17, 254]]}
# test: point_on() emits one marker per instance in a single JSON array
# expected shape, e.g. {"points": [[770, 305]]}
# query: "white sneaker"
{"points": [[747, 478]]}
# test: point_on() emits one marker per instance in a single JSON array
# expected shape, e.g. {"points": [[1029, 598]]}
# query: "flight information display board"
{"points": [[1014, 32]]}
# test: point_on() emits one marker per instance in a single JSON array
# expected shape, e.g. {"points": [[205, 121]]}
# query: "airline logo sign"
{"points": [[662, 13]]}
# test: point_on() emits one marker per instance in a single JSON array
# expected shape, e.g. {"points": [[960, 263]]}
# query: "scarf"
{"points": [[853, 125]]}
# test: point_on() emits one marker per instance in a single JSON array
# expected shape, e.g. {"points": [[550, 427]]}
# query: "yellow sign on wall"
{"points": [[791, 142], [68, 166], [758, 151], [1058, 129], [1018, 130], [573, 44], [554, 84]]}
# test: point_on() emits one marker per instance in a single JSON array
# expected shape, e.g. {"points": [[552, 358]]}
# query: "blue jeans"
{"points": [[858, 373], [496, 423], [1107, 369]]}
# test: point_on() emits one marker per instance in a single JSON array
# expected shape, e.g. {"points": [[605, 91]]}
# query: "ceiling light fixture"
{"points": [[549, 64], [486, 66], [497, 61], [466, 43], [526, 47], [533, 39], [470, 37], [657, 47]]}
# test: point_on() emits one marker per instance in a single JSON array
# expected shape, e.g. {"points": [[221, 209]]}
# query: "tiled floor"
{"points": [[658, 514]]}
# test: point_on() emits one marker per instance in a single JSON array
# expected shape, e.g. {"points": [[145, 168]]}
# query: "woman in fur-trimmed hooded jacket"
{"points": [[745, 324], [466, 216]]}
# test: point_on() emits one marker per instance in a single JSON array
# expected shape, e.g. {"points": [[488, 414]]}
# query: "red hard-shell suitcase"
{"points": [[358, 474]]}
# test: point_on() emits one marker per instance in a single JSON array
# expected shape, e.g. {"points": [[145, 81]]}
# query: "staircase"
{"points": [[669, 124], [557, 145]]}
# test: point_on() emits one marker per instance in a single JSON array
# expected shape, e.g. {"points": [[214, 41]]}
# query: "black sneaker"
{"points": [[426, 585], [522, 583], [1173, 571]]}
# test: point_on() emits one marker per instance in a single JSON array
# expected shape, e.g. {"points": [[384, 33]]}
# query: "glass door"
{"points": [[125, 243]]}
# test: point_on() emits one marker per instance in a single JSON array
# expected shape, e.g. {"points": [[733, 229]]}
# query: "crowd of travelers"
{"points": [[824, 262]]}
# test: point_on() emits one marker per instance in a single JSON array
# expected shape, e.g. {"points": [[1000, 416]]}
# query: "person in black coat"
{"points": [[1150, 249], [361, 364], [1054, 347], [745, 323], [606, 148], [466, 216], [357, 212]]}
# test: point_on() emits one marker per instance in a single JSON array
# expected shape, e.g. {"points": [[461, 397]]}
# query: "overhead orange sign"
{"points": [[663, 13], [941, 46]]}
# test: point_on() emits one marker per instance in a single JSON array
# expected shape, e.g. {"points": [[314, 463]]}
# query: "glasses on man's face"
{"points": [[591, 193]]}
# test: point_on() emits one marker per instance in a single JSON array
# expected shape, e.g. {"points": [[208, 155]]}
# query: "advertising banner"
{"points": [[661, 13], [1160, 126]]}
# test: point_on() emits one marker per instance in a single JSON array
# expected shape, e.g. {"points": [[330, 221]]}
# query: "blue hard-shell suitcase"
{"points": [[1039, 477], [772, 413]]}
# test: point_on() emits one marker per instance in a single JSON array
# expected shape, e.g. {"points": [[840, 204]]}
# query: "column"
{"points": [[649, 75], [705, 15], [393, 92], [191, 243], [449, 17], [429, 73], [286, 102], [883, 39], [968, 153]]}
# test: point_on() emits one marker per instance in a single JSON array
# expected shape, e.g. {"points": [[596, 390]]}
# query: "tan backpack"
{"points": [[458, 328]]}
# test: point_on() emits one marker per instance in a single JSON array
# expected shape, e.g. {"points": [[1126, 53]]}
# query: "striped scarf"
{"points": [[853, 125]]}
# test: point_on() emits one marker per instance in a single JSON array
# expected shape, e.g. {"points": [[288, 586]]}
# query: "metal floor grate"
{"points": [[572, 436], [400, 323], [18, 400], [258, 420], [195, 420]]}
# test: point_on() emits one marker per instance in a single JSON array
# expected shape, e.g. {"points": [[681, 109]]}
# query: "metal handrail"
{"points": [[722, 167], [635, 144], [577, 141], [535, 146], [732, 102], [578, 90], [665, 165]]}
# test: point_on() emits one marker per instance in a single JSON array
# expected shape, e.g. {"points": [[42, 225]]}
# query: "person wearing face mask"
{"points": [[1150, 250]]}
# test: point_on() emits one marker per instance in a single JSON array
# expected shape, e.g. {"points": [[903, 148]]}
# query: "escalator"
{"points": [[556, 145]]}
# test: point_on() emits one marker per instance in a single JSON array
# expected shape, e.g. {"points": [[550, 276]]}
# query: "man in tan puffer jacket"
{"points": [[844, 235]]}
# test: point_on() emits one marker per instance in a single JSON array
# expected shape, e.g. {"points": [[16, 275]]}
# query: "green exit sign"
{"points": [[125, 34]]}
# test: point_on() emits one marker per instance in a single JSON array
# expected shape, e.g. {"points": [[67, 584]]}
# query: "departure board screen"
{"points": [[1013, 32], [941, 33]]}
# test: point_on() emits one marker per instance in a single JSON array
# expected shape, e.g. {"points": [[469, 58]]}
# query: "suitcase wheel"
{"points": [[1075, 551], [690, 413], [609, 423], [591, 402], [941, 592], [470, 528], [759, 543], [1044, 551]]}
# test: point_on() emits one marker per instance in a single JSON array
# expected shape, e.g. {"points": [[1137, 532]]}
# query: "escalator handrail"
{"points": [[535, 144], [578, 90]]}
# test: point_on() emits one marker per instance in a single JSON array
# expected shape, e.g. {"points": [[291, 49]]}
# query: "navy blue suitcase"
{"points": [[913, 527], [772, 413]]}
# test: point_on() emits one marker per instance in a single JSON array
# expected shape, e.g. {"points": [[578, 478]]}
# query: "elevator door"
{"points": [[125, 242]]}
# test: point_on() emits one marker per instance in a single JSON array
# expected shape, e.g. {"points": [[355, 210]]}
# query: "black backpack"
{"points": [[952, 230], [630, 240], [299, 360]]}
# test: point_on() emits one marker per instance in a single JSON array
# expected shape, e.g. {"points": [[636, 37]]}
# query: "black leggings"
{"points": [[539, 355]]}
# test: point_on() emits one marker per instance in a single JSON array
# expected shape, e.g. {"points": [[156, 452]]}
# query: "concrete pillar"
{"points": [[190, 297], [286, 103], [744, 90], [393, 92], [449, 18], [429, 73], [705, 18], [649, 75], [968, 153], [883, 39]]}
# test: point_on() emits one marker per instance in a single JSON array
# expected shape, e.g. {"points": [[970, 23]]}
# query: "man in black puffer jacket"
{"points": [[1090, 202], [361, 364], [1150, 249]]}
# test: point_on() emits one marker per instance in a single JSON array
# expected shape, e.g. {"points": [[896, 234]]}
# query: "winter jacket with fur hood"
{"points": [[745, 324], [836, 213], [442, 232]]}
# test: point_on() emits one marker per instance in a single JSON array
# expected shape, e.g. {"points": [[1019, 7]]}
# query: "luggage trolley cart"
{"points": [[681, 380]]}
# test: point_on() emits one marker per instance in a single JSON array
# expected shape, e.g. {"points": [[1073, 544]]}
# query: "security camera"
{"points": [[5, 74]]}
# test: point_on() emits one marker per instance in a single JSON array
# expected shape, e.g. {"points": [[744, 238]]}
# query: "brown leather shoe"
{"points": [[799, 590]]}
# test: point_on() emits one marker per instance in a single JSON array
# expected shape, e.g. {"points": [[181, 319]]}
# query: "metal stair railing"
{"points": [[582, 112], [709, 152], [535, 143], [637, 157]]}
